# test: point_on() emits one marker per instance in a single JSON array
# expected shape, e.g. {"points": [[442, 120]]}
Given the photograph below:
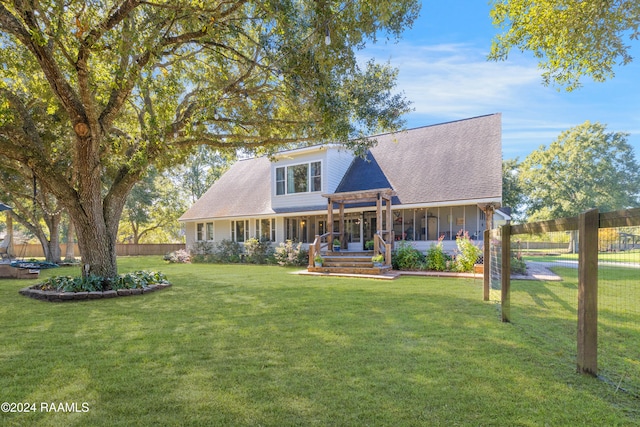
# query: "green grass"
{"points": [[254, 345]]}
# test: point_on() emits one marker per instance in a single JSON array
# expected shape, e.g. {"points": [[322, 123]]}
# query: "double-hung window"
{"points": [[266, 229], [301, 178], [240, 230]]}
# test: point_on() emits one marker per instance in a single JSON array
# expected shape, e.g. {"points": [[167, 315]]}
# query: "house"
{"points": [[433, 181]]}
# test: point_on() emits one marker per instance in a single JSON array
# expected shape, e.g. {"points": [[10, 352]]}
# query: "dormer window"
{"points": [[301, 178]]}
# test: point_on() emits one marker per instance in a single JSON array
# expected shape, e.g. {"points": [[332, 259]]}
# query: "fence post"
{"points": [[486, 264], [588, 223], [506, 272]]}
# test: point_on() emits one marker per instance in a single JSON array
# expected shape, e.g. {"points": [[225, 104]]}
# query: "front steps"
{"points": [[347, 263]]}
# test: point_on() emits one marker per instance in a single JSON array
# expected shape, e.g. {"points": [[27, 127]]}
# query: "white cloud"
{"points": [[455, 80]]}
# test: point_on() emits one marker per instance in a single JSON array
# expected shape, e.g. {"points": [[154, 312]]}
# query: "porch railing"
{"points": [[316, 247], [380, 246]]}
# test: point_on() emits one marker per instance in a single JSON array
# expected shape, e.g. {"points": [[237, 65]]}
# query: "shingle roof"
{"points": [[459, 160], [243, 190]]}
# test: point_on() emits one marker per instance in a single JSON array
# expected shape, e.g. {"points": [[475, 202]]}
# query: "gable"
{"points": [[459, 160], [243, 190]]}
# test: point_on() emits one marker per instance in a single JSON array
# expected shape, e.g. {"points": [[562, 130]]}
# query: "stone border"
{"points": [[57, 296]]}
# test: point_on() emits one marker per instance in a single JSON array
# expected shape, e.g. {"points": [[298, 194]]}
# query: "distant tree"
{"points": [[512, 194], [201, 170], [33, 207], [152, 210], [572, 39], [585, 167], [136, 84]]}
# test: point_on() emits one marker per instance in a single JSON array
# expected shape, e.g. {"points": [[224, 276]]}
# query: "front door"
{"points": [[369, 227]]}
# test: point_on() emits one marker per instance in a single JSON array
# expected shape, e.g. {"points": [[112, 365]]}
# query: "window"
{"points": [[316, 176], [199, 232], [302, 178], [209, 231], [280, 181], [239, 230], [266, 229]]}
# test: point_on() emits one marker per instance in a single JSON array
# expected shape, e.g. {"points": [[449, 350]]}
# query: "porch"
{"points": [[334, 242]]}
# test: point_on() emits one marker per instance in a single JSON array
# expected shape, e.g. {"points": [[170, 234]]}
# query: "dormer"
{"points": [[299, 177]]}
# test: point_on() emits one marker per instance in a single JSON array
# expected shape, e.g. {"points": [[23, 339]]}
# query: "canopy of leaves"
{"points": [[586, 167], [512, 195], [94, 92], [572, 39]]}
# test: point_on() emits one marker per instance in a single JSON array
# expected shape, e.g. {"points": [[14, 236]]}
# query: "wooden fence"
{"points": [[587, 225], [122, 249]]}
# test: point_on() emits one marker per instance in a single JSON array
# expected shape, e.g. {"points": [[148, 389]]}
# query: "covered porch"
{"points": [[383, 237]]}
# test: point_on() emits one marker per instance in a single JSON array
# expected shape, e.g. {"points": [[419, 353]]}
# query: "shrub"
{"points": [[138, 279], [179, 256], [289, 253], [258, 251], [467, 254], [436, 258], [227, 251], [406, 257]]}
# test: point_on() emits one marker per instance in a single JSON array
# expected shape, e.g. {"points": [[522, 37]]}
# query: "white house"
{"points": [[441, 179]]}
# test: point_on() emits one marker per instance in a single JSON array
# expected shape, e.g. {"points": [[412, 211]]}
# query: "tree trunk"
{"points": [[97, 249], [70, 255]]}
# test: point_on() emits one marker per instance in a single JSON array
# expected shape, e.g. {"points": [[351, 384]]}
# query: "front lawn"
{"points": [[255, 345]]}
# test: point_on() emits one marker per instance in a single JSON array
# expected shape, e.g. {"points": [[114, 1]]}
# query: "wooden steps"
{"points": [[350, 263]]}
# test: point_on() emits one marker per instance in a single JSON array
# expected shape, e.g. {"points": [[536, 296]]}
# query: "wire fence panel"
{"points": [[542, 299], [619, 307], [544, 292], [495, 266]]}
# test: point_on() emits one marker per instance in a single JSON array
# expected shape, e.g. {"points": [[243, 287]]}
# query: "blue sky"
{"points": [[443, 70]]}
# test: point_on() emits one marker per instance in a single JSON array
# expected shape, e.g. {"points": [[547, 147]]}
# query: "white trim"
{"points": [[358, 209]]}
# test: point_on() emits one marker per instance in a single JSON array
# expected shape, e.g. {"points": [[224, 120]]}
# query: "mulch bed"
{"points": [[58, 296]]}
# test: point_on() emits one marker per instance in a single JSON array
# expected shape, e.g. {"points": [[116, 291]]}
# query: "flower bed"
{"points": [[67, 288]]}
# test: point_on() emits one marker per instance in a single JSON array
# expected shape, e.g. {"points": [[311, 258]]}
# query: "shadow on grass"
{"points": [[247, 345]]}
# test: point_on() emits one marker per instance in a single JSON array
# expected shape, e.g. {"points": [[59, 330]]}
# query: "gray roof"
{"points": [[243, 190], [459, 160]]}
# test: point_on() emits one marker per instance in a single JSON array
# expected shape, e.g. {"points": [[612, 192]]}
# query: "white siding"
{"points": [[338, 162], [190, 233], [222, 230], [279, 230], [301, 199]]}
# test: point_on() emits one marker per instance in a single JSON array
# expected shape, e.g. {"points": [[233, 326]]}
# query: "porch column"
{"points": [[379, 213], [390, 237], [330, 220], [341, 225]]}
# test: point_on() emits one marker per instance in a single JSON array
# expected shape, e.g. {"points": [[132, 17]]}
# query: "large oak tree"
{"points": [[140, 83], [572, 39], [585, 167]]}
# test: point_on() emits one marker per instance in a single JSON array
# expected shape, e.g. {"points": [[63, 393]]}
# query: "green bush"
{"points": [[138, 279], [291, 254], [258, 251], [467, 254], [437, 259], [406, 257]]}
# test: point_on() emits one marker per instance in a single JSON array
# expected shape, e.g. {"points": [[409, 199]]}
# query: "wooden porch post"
{"points": [[379, 213], [330, 221], [343, 244]]}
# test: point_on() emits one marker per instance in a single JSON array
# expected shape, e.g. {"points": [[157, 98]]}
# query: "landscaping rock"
{"points": [[81, 295], [110, 294], [57, 296]]}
